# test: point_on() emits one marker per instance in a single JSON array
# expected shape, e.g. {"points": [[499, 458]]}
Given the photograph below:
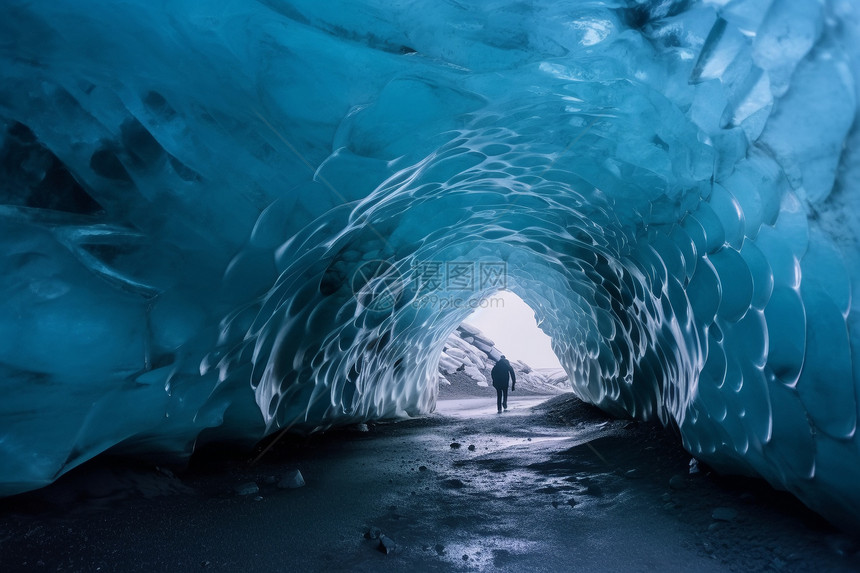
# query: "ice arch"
{"points": [[189, 193]]}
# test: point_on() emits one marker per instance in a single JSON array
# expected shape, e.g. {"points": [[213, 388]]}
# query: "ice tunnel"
{"points": [[222, 219]]}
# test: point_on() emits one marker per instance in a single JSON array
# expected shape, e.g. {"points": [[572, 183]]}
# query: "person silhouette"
{"points": [[500, 374]]}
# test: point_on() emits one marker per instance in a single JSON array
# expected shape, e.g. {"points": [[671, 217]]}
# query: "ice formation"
{"points": [[218, 218], [468, 351]]}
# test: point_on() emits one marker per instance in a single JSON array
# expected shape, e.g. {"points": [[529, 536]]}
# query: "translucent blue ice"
{"points": [[215, 219]]}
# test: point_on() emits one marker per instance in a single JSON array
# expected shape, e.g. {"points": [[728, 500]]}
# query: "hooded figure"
{"points": [[500, 373]]}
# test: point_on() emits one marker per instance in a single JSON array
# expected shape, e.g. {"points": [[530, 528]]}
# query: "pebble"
{"points": [[694, 466], [472, 448], [386, 544], [455, 445], [594, 490], [373, 533], [453, 483]]}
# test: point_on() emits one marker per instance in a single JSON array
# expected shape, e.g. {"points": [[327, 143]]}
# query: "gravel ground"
{"points": [[547, 486]]}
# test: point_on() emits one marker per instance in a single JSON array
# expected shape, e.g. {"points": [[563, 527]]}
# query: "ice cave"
{"points": [[223, 219]]}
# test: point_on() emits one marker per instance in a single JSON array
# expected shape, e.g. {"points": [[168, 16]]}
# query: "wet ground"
{"points": [[543, 487]]}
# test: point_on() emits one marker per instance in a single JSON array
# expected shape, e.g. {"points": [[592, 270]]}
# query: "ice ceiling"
{"points": [[220, 220]]}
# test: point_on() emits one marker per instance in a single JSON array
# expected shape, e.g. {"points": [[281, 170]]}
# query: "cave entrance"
{"points": [[503, 324]]}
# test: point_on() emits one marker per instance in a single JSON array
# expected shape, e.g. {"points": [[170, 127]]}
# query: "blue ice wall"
{"points": [[219, 219]]}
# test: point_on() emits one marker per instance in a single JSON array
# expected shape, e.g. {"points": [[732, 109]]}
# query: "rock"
{"points": [[694, 466], [422, 468], [678, 482], [292, 480], [724, 514], [249, 488], [472, 447], [455, 445], [373, 532], [386, 544], [361, 428]]}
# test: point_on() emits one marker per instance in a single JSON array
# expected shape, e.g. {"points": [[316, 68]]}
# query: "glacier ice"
{"points": [[212, 216], [468, 351]]}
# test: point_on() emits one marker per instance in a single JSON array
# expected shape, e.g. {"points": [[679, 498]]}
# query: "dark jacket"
{"points": [[500, 373]]}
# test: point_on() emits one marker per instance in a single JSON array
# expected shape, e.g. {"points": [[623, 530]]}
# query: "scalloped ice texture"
{"points": [[192, 197]]}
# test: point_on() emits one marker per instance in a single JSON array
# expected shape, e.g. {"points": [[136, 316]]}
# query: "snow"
{"points": [[224, 220]]}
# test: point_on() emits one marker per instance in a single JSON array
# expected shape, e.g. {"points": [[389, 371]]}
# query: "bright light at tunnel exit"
{"points": [[511, 324]]}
